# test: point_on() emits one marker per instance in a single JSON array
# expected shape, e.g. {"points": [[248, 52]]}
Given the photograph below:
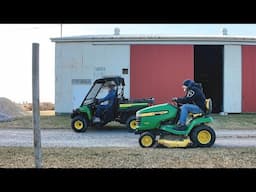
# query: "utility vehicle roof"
{"points": [[117, 79]]}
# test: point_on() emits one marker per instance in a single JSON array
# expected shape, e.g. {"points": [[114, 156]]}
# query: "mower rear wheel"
{"points": [[202, 136], [79, 124], [147, 140], [131, 123]]}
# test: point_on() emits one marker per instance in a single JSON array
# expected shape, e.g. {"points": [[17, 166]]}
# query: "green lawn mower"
{"points": [[123, 110], [155, 125]]}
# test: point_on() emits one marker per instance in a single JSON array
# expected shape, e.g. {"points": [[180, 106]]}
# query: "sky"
{"points": [[16, 49]]}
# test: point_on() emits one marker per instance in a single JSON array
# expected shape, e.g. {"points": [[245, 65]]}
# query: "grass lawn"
{"points": [[99, 157], [49, 120], [234, 121]]}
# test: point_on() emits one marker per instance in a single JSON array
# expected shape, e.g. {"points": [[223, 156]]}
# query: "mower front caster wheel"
{"points": [[147, 140]]}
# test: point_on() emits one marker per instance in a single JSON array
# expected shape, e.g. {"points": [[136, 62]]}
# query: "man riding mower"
{"points": [[172, 126], [105, 102]]}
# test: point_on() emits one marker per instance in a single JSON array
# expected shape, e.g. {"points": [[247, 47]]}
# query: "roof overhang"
{"points": [[132, 39]]}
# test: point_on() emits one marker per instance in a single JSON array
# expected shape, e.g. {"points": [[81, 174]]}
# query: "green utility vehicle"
{"points": [[123, 110], [155, 125]]}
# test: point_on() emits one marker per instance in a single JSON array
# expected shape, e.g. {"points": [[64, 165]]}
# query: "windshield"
{"points": [[99, 90], [94, 91], [103, 92]]}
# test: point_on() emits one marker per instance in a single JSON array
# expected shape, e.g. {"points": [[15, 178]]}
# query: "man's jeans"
{"points": [[188, 108]]}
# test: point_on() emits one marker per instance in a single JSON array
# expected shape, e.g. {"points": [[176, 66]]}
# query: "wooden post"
{"points": [[36, 109]]}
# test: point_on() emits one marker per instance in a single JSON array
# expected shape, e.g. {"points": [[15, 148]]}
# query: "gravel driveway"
{"points": [[109, 138]]}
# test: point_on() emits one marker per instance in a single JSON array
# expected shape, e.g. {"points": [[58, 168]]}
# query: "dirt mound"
{"points": [[44, 106], [9, 110]]}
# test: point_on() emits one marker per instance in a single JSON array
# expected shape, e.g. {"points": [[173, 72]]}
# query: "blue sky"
{"points": [[16, 49]]}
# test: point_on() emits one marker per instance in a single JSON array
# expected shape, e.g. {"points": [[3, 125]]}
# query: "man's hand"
{"points": [[174, 99]]}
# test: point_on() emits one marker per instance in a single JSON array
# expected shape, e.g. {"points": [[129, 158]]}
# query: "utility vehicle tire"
{"points": [[131, 123], [202, 136], [79, 124], [147, 140]]}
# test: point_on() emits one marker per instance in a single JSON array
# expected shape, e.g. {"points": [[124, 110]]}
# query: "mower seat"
{"points": [[208, 105]]}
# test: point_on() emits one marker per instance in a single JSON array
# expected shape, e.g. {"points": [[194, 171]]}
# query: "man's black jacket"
{"points": [[195, 96]]}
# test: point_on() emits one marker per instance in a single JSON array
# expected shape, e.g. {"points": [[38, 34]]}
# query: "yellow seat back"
{"points": [[208, 105]]}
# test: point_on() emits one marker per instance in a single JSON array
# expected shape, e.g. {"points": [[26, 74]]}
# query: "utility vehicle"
{"points": [[123, 110]]}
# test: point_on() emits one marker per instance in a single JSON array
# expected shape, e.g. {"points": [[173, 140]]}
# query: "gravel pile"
{"points": [[9, 110]]}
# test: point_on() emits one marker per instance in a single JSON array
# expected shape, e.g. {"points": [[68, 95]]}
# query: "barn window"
{"points": [[125, 71]]}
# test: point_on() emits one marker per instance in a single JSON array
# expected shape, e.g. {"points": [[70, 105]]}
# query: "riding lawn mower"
{"points": [[156, 124]]}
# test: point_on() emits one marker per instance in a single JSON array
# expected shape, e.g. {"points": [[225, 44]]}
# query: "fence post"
{"points": [[36, 107]]}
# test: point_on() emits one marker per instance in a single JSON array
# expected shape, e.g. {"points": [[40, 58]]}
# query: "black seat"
{"points": [[115, 106], [110, 114]]}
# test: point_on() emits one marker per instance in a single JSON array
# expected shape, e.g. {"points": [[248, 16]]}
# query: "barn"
{"points": [[156, 65]]}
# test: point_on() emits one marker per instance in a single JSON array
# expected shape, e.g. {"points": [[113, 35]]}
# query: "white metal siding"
{"points": [[68, 60], [78, 94], [86, 61], [109, 60], [232, 79]]}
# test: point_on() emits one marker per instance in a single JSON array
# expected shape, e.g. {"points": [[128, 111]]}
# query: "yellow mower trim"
{"points": [[174, 143], [152, 113], [131, 105]]}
